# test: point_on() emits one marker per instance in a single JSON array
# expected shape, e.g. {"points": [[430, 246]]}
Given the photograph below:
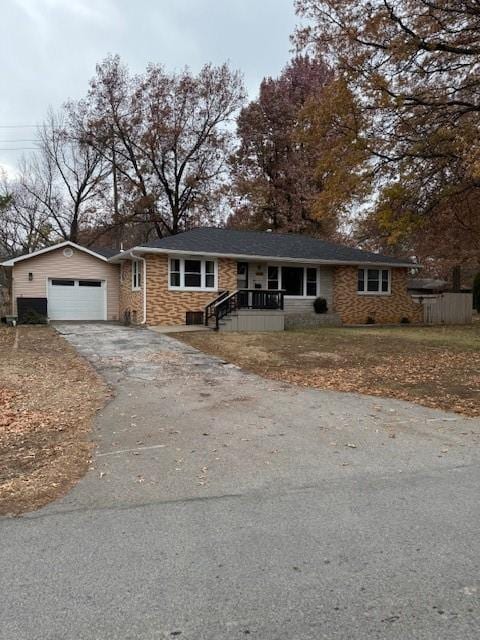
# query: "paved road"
{"points": [[222, 506]]}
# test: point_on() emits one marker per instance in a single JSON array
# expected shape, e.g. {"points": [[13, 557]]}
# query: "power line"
{"points": [[18, 126], [15, 140], [19, 149]]}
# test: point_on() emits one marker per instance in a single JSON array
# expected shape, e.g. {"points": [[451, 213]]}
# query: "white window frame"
{"points": [[203, 273], [136, 275], [365, 292], [300, 266]]}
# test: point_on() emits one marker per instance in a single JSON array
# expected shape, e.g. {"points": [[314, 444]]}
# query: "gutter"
{"points": [[144, 288], [247, 257]]}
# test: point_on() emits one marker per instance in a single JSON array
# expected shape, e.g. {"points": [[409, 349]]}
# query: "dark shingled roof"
{"points": [[261, 243], [103, 251]]}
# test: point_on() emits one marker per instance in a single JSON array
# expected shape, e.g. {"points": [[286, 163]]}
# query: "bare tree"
{"points": [[167, 137], [67, 178], [24, 224]]}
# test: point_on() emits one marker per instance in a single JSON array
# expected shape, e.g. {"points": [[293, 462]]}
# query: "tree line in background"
{"points": [[141, 156], [369, 135]]}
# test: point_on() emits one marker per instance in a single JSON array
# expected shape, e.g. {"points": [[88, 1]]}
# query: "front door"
{"points": [[292, 281]]}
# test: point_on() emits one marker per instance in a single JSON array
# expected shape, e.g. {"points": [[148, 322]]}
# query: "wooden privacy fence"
{"points": [[448, 308]]}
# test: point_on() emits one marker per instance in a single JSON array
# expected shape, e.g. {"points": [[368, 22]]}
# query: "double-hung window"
{"points": [[186, 273], [374, 281], [136, 275], [193, 273], [209, 274], [175, 273], [311, 277], [273, 278]]}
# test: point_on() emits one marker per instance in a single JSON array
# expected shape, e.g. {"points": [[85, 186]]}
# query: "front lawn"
{"points": [[434, 366], [48, 398]]}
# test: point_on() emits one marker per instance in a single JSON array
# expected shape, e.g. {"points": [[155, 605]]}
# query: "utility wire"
{"points": [[18, 126]]}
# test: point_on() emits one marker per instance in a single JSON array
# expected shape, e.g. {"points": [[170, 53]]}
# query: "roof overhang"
{"points": [[67, 243], [127, 255]]}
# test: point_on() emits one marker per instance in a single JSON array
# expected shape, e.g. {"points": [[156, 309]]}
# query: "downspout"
{"points": [[144, 321], [13, 309]]}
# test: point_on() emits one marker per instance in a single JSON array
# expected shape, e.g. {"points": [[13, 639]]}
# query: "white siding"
{"points": [[257, 274]]}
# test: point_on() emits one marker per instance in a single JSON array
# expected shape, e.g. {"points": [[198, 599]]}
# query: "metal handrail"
{"points": [[210, 308]]}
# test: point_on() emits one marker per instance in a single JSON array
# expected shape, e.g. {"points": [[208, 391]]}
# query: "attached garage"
{"points": [[77, 283]]}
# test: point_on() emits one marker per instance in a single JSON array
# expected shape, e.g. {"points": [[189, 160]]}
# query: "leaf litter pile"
{"points": [[48, 398], [437, 367]]}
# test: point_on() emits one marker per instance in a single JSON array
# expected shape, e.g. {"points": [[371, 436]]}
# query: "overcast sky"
{"points": [[49, 48]]}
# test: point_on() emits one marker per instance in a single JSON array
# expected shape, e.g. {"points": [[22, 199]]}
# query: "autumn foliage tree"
{"points": [[274, 170], [412, 66]]}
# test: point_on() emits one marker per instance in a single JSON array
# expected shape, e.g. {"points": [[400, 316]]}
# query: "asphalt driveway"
{"points": [[184, 425], [220, 505]]}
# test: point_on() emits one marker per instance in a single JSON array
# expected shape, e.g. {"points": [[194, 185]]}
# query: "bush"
{"points": [[476, 292], [405, 320], [320, 305], [370, 320]]}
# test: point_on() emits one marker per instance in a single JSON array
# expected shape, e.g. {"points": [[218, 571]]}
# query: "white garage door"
{"points": [[76, 299]]}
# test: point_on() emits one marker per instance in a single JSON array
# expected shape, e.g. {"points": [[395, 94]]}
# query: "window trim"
{"points": [[203, 273], [136, 276], [365, 292], [304, 267]]}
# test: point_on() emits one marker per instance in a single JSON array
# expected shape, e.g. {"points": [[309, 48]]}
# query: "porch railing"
{"points": [[209, 311], [247, 299]]}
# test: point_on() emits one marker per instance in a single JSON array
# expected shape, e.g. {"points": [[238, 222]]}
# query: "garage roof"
{"points": [[97, 252]]}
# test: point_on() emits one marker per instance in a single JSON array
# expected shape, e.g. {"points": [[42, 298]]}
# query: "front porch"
{"points": [[300, 282], [262, 310]]}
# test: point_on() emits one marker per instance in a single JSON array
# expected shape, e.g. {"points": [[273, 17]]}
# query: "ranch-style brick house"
{"points": [[225, 278]]}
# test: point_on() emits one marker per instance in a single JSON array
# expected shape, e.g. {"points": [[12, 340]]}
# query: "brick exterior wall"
{"points": [[355, 308], [130, 301], [169, 307], [163, 305]]}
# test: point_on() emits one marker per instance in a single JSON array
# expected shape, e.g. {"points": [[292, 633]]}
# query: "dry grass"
{"points": [[434, 366], [48, 398]]}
